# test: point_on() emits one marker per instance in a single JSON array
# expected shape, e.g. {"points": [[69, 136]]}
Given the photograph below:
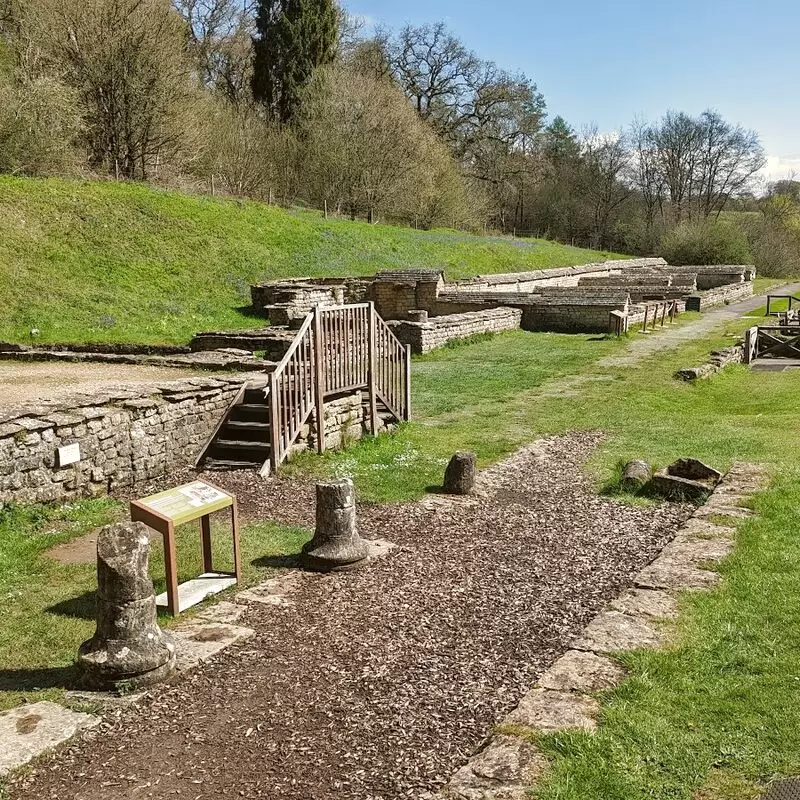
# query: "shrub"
{"points": [[775, 247], [705, 242]]}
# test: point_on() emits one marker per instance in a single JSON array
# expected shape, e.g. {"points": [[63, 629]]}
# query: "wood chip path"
{"points": [[379, 684]]}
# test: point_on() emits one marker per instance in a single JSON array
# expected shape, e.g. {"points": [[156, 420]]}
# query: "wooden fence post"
{"points": [[646, 312], [371, 370], [408, 382], [319, 381], [274, 455]]}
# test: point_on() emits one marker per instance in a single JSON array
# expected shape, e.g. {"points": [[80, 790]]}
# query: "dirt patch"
{"points": [[381, 682], [28, 724], [31, 382]]}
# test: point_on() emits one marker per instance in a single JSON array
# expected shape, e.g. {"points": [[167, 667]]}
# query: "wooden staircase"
{"points": [[337, 350], [243, 441]]}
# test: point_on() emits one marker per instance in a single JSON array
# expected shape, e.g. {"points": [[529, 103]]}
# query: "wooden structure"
{"points": [[337, 350], [163, 512], [772, 341]]}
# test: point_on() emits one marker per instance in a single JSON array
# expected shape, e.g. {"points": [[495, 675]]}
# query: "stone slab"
{"points": [[667, 573], [198, 589], [652, 603], [580, 671], [696, 551], [200, 640], [547, 711], [613, 631], [224, 612], [698, 528], [29, 730], [273, 592], [504, 769]]}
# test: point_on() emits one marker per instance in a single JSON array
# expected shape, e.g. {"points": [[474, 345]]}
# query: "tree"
{"points": [[700, 162], [606, 160], [365, 150], [126, 60], [220, 37], [293, 38]]}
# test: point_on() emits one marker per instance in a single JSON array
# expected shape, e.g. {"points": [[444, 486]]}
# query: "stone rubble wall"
{"points": [[125, 436], [345, 421], [718, 360], [716, 297], [717, 275], [438, 331]]}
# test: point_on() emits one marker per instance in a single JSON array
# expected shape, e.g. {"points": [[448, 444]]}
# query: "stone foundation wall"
{"points": [[345, 421], [124, 436], [569, 318], [438, 331], [717, 297], [718, 360]]}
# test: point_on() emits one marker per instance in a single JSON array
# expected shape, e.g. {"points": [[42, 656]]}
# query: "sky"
{"points": [[607, 62]]}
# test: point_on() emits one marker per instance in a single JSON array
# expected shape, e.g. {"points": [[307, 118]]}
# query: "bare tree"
{"points": [[220, 35], [127, 61], [606, 160]]}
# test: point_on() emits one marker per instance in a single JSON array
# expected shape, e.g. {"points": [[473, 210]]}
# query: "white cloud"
{"points": [[778, 167]]}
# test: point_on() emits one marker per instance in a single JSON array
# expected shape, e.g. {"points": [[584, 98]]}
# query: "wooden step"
{"points": [[241, 444], [250, 412], [246, 429], [218, 464]]}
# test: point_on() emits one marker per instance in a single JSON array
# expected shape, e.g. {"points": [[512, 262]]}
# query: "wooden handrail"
{"points": [[336, 349]]}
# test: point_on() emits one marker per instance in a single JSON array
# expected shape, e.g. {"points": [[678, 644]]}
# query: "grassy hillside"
{"points": [[105, 261]]}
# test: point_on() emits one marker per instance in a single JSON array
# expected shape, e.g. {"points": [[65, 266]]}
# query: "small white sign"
{"points": [[70, 454]]}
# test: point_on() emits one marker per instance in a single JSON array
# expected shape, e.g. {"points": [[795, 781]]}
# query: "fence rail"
{"points": [[337, 349]]}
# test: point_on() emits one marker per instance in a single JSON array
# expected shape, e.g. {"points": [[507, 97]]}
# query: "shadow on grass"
{"points": [[291, 561], [29, 680], [252, 313], [80, 607]]}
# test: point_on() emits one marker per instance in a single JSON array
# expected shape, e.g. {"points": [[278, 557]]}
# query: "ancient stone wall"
{"points": [[438, 331], [717, 297], [124, 437]]}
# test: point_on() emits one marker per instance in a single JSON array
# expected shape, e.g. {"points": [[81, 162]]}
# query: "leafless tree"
{"points": [[220, 35]]}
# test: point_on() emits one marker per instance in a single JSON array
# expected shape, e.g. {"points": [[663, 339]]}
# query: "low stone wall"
{"points": [[572, 314], [718, 275], [717, 297], [636, 314], [438, 331], [719, 360], [345, 421], [124, 436], [560, 276]]}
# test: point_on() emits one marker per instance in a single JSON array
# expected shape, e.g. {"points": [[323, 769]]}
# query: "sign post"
{"points": [[163, 512]]}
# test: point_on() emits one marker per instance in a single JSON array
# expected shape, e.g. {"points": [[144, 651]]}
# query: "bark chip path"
{"points": [[379, 684]]}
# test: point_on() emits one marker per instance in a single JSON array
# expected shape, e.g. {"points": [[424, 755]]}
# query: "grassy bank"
{"points": [[121, 262]]}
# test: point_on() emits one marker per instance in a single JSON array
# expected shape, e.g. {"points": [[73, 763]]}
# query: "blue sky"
{"points": [[605, 63]]}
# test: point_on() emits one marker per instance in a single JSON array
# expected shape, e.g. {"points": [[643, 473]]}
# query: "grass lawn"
{"points": [[49, 606], [120, 262]]}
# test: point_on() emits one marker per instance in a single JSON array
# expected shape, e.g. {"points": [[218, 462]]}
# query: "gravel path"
{"points": [[27, 382], [378, 684]]}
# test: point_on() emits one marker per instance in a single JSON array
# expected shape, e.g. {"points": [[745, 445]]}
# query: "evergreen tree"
{"points": [[293, 38]]}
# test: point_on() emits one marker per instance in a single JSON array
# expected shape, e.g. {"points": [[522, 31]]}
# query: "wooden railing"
{"points": [[392, 370], [337, 349], [292, 394]]}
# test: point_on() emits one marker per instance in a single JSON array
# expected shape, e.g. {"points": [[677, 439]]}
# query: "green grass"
{"points": [[121, 262], [49, 606], [712, 716]]}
